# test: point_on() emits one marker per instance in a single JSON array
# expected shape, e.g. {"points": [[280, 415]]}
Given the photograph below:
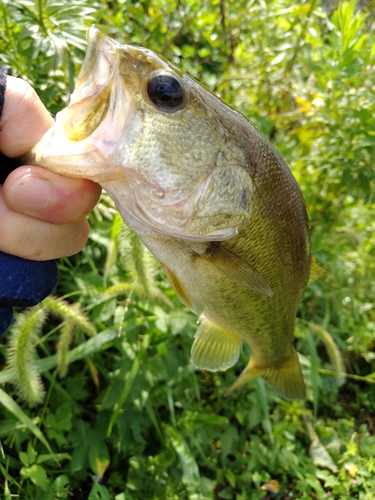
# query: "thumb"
{"points": [[24, 119]]}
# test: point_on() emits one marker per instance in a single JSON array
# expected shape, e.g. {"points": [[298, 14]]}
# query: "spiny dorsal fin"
{"points": [[316, 271], [237, 268], [214, 348], [286, 379]]}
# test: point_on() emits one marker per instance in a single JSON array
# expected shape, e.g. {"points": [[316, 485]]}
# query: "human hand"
{"points": [[42, 214]]}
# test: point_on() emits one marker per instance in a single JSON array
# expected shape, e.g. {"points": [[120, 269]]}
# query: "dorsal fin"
{"points": [[237, 268], [316, 271]]}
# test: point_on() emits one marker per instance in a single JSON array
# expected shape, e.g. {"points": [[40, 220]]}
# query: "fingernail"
{"points": [[29, 194]]}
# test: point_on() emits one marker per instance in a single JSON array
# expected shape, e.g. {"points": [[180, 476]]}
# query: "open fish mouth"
{"points": [[87, 133], [90, 100]]}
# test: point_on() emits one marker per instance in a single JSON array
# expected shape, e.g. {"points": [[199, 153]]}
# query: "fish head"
{"points": [[153, 138]]}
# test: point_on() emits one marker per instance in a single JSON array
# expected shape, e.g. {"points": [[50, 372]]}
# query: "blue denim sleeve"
{"points": [[23, 283]]}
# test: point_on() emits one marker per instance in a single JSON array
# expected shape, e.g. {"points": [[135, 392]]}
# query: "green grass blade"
{"points": [[17, 411], [314, 358], [263, 402], [154, 419], [332, 350], [130, 379]]}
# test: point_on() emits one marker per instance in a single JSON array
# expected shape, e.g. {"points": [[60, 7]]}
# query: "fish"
{"points": [[207, 194]]}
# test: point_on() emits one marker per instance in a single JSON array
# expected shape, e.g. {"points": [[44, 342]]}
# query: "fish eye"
{"points": [[166, 92]]}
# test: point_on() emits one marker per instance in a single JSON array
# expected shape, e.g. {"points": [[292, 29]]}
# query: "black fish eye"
{"points": [[166, 92]]}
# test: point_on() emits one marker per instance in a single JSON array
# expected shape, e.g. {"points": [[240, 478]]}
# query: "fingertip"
{"points": [[24, 119], [72, 199]]}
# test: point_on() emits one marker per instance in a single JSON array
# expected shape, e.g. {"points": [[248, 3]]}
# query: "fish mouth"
{"points": [[86, 134]]}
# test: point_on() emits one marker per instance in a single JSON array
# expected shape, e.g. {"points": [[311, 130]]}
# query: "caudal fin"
{"points": [[286, 379]]}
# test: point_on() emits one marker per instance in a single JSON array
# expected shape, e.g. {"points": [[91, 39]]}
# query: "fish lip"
{"points": [[82, 143], [89, 100], [98, 46]]}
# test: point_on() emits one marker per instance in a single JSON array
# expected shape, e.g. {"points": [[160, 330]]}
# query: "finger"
{"points": [[39, 193], [24, 119], [35, 239]]}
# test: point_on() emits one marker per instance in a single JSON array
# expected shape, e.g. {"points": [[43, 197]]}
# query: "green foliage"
{"points": [[125, 415]]}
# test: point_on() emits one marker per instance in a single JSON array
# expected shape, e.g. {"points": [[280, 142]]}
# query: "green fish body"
{"points": [[206, 193]]}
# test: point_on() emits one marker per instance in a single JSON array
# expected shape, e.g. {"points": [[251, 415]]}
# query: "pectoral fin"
{"points": [[179, 289], [286, 378], [316, 271], [214, 348], [237, 268]]}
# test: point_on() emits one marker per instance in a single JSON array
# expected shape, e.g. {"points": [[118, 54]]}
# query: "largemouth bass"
{"points": [[205, 192]]}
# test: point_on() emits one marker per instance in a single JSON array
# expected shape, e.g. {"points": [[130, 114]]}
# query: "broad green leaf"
{"points": [[37, 474], [99, 492]]}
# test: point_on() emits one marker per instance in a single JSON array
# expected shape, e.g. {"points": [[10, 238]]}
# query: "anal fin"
{"points": [[286, 379], [214, 348]]}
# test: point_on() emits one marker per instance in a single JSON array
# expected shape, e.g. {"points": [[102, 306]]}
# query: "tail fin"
{"points": [[286, 378]]}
